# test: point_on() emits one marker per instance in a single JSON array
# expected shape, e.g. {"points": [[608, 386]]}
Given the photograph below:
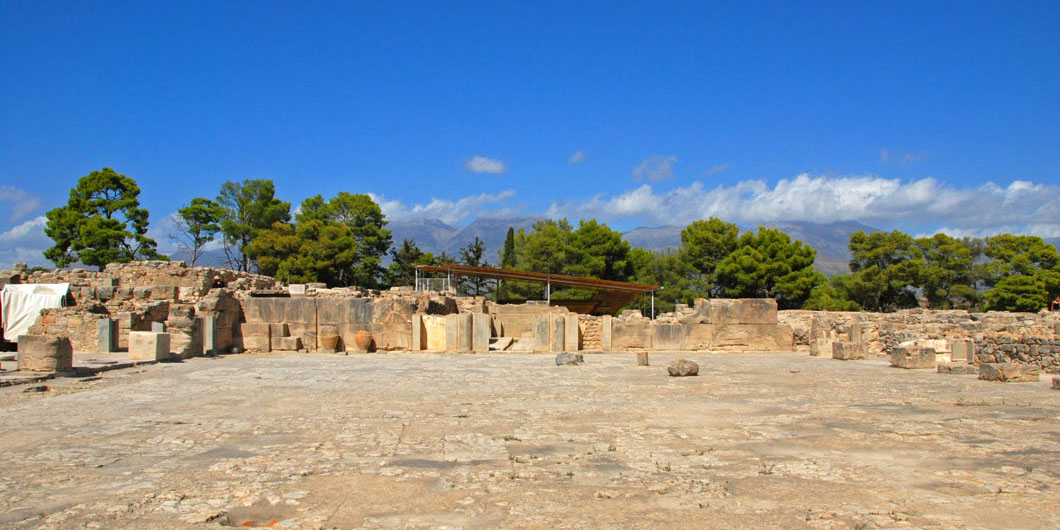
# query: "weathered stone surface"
{"points": [[419, 339], [481, 332], [287, 343], [559, 333], [605, 333], [148, 346], [296, 289], [630, 336], [452, 332], [257, 343], [1056, 383], [158, 327], [208, 323], [1007, 372], [847, 351], [745, 337], [683, 368], [108, 335], [569, 359], [642, 358], [279, 329], [542, 334], [571, 336], [963, 350], [464, 323], [958, 368], [255, 329], [913, 358], [44, 353]]}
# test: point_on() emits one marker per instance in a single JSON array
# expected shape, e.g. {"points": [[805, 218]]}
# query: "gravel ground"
{"points": [[504, 440]]}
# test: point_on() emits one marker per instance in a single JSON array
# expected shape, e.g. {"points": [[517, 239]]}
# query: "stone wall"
{"points": [[1042, 353]]}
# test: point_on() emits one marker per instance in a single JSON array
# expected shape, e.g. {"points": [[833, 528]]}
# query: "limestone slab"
{"points": [[44, 353], [148, 346]]}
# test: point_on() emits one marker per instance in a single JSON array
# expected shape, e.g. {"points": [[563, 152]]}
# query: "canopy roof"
{"points": [[610, 295]]}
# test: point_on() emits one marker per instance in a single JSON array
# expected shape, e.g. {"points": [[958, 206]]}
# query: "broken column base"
{"points": [[1007, 372], [847, 351], [45, 353]]}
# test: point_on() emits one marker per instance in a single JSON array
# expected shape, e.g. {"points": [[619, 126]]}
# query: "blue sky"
{"points": [[901, 115]]}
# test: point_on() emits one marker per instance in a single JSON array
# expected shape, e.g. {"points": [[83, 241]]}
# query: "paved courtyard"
{"points": [[503, 440]]}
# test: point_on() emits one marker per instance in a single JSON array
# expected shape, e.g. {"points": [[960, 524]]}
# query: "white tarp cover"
{"points": [[20, 305]]}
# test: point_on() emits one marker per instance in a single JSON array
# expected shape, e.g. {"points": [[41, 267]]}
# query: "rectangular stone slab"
{"points": [[45, 353], [148, 346]]}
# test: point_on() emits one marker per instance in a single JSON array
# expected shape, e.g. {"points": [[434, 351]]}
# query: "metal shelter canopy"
{"points": [[610, 295]]}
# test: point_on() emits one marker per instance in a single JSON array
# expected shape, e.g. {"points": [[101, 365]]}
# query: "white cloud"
{"points": [[1019, 207], [449, 212], [576, 158], [24, 203], [25, 243], [655, 168], [481, 164]]}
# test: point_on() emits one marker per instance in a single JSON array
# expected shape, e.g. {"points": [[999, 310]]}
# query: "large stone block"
{"points": [[287, 343], [570, 338], [734, 311], [820, 347], [148, 346], [605, 333], [300, 314], [542, 334], [559, 333], [108, 335], [452, 332], [1007, 372], [785, 339], [465, 323], [745, 337], [418, 333], [671, 337], [631, 335], [45, 353], [963, 351], [255, 329], [913, 358], [257, 343], [481, 332], [847, 351], [279, 330]]}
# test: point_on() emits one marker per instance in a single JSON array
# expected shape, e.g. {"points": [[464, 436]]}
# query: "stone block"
{"points": [[257, 343], [642, 358], [736, 311], [419, 341], [309, 340], [44, 353], [465, 323], [1007, 372], [255, 329], [164, 292], [208, 324], [301, 314], [847, 351], [559, 333], [605, 333], [745, 337], [671, 337], [104, 293], [569, 359], [279, 330], [108, 335], [148, 346], [570, 337], [785, 337], [452, 332], [963, 351], [296, 289], [683, 368], [635, 335], [542, 332], [1056, 383], [287, 343], [958, 368], [158, 327], [913, 358], [820, 346], [481, 332]]}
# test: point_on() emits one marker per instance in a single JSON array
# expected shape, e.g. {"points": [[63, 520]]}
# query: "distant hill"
{"points": [[432, 235]]}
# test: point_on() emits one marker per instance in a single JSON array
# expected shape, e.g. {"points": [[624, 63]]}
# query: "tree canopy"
{"points": [[197, 224], [101, 223], [249, 207]]}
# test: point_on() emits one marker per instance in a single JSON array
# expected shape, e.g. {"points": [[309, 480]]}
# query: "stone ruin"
{"points": [[157, 310]]}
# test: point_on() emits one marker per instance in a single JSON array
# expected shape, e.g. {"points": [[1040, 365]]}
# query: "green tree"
{"points": [[769, 265], [366, 222], [668, 269], [101, 223], [312, 251], [597, 251], [704, 244], [948, 274], [471, 255], [197, 224], [508, 258], [402, 270], [249, 208], [887, 268], [832, 295], [1025, 273]]}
